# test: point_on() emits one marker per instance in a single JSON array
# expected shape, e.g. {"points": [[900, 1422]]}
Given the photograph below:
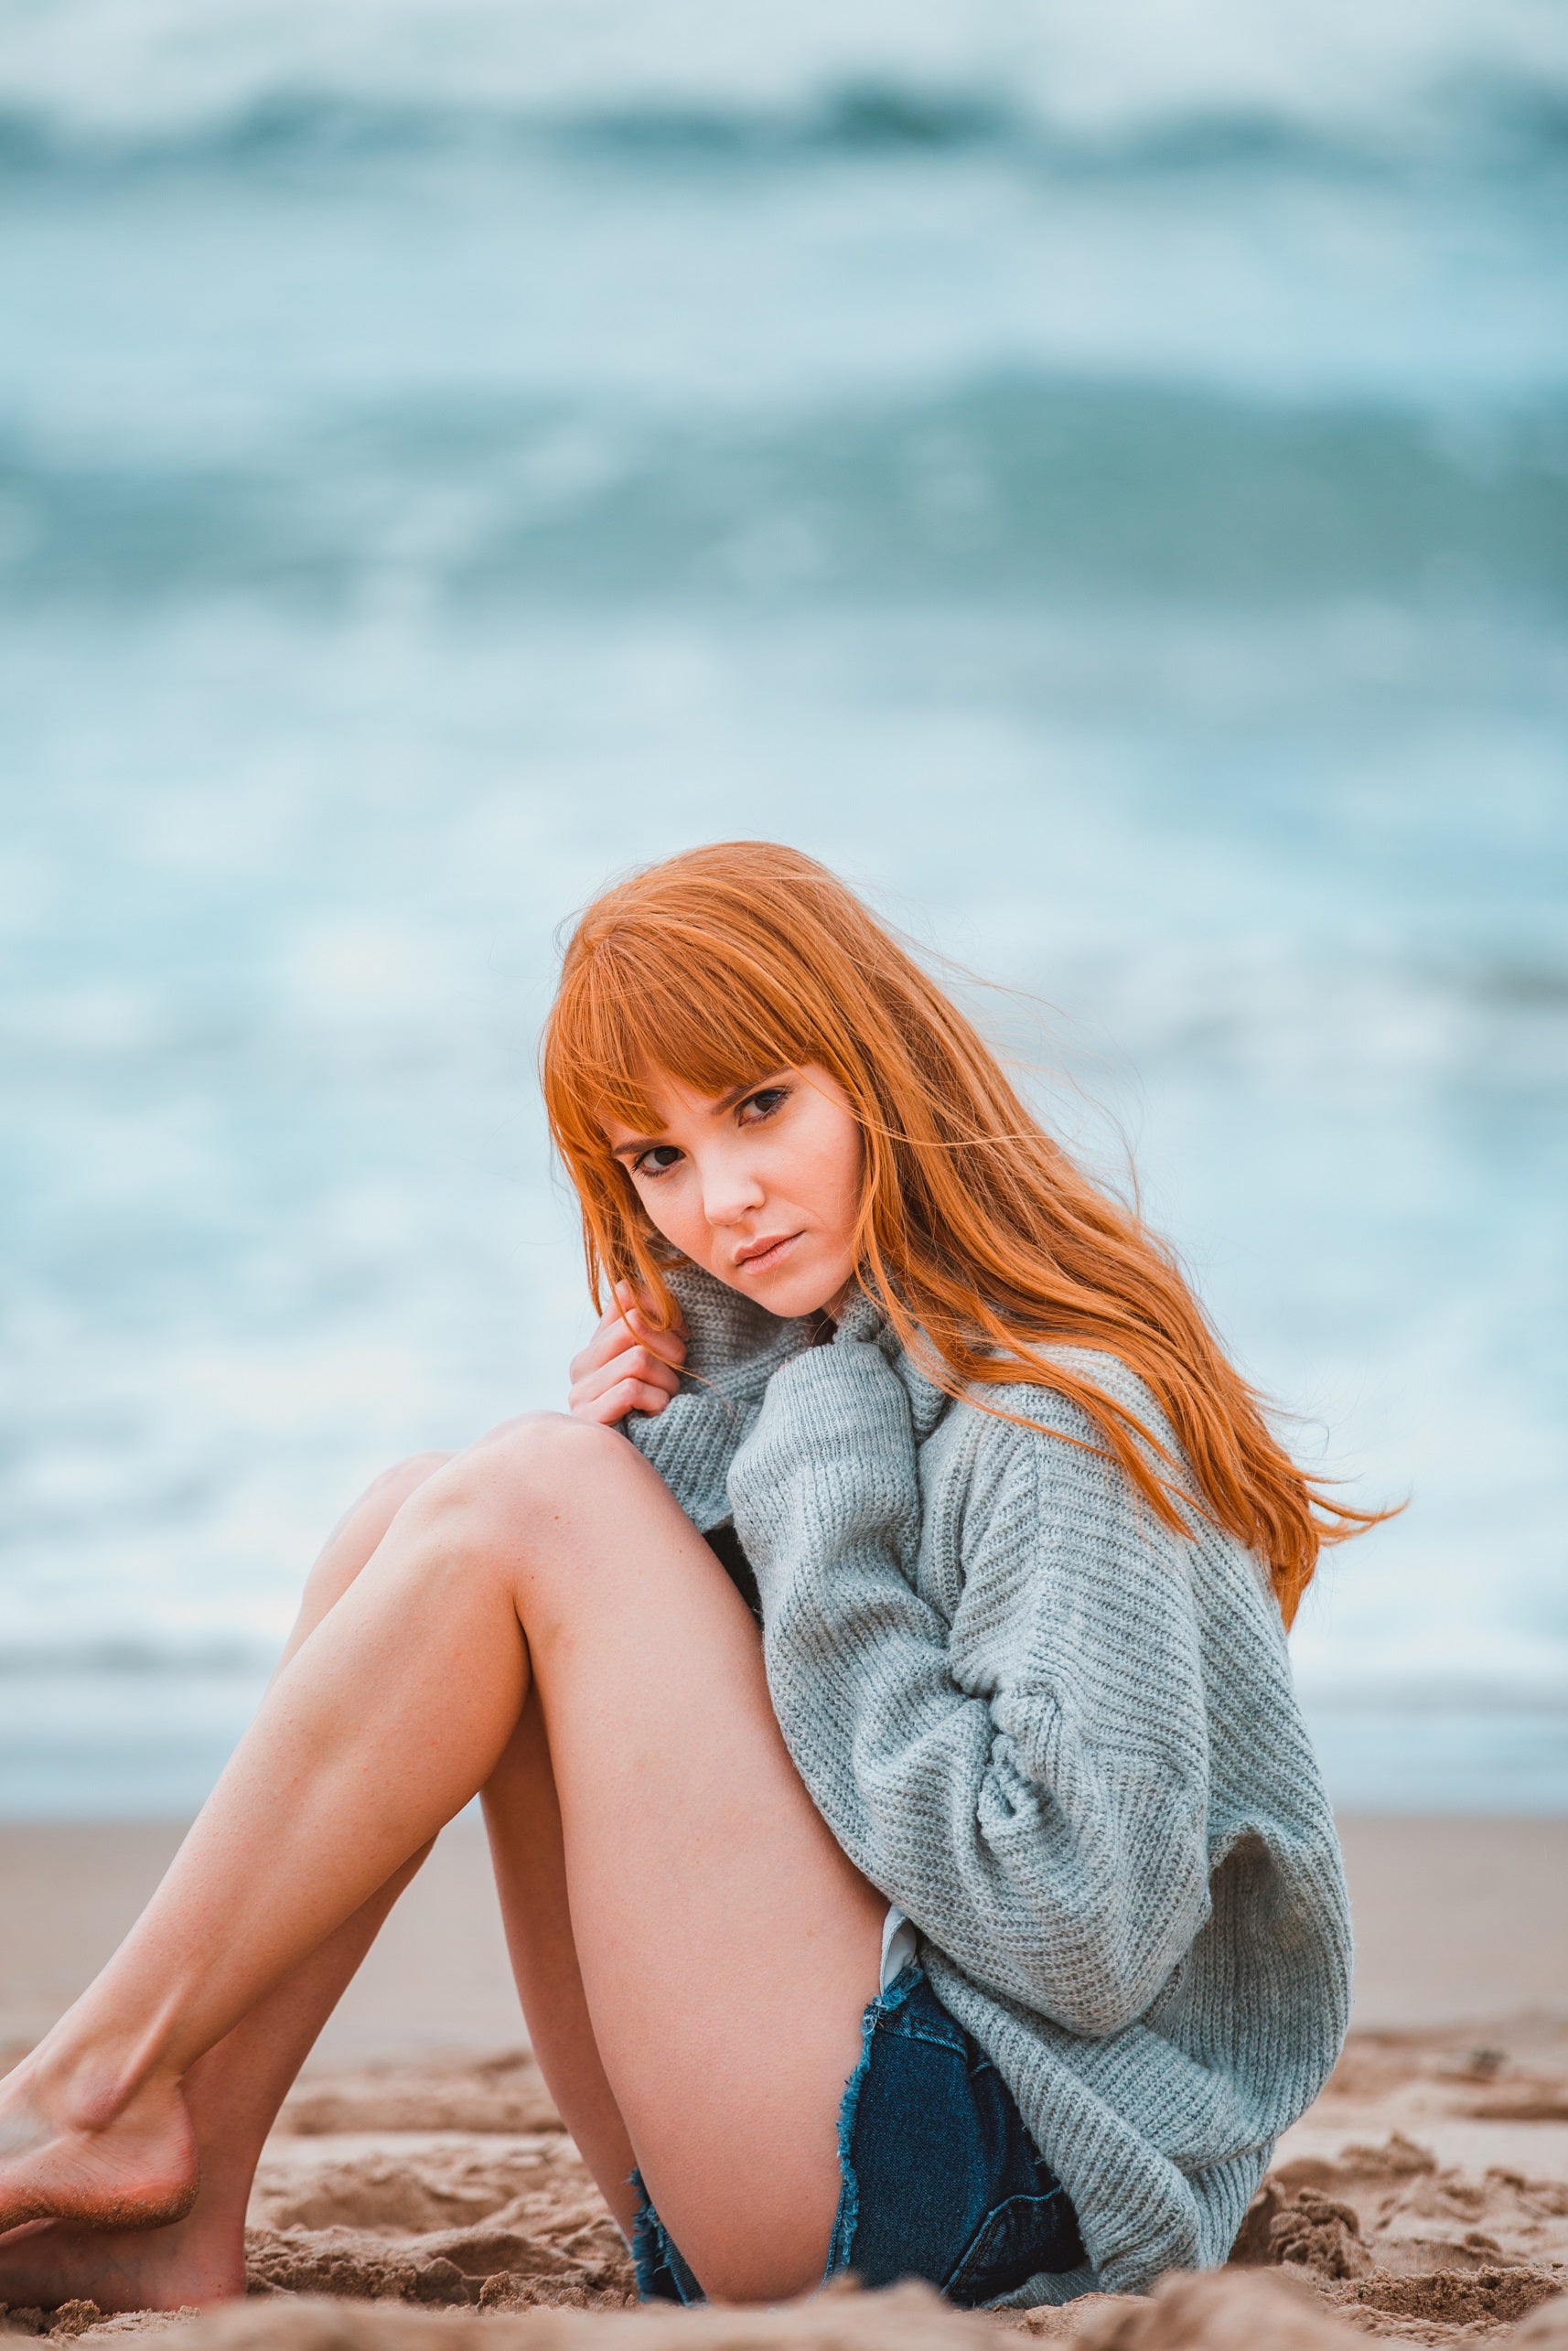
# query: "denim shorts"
{"points": [[941, 2180]]}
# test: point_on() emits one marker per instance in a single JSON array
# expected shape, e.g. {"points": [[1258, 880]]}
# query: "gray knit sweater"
{"points": [[1063, 1740]]}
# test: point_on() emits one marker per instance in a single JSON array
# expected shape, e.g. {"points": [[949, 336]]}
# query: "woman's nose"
{"points": [[730, 1192]]}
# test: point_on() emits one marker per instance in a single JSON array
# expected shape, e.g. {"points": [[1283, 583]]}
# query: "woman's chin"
{"points": [[790, 1293]]}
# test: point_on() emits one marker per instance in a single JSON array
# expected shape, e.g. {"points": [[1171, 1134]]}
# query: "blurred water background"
{"points": [[1098, 476]]}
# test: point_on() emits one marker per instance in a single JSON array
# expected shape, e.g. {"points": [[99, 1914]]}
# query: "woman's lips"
{"points": [[762, 1261]]}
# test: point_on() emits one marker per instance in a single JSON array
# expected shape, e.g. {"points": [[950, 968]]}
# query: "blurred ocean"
{"points": [[1097, 476]]}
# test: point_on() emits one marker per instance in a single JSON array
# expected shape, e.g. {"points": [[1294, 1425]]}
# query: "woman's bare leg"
{"points": [[727, 1945], [234, 2091], [523, 1814]]}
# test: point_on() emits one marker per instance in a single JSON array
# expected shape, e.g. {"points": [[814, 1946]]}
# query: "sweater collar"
{"points": [[865, 1322]]}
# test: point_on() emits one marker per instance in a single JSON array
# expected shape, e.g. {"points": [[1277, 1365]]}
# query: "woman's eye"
{"points": [[657, 1162], [766, 1100]]}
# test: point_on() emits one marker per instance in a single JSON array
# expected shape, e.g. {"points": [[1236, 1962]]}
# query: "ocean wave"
{"points": [[1021, 486], [1495, 125], [1530, 1682], [134, 1660], [841, 70], [1536, 1686]]}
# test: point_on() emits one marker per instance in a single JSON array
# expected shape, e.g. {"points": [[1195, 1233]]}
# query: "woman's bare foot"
{"points": [[191, 2264], [120, 2163]]}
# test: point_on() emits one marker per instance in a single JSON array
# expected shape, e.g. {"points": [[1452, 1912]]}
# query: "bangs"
{"points": [[699, 1009]]}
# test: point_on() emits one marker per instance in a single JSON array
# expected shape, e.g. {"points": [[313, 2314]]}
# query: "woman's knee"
{"points": [[530, 1477], [539, 1459], [362, 1527], [384, 1496]]}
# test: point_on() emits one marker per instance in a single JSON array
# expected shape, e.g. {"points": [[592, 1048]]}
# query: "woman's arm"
{"points": [[1039, 1808]]}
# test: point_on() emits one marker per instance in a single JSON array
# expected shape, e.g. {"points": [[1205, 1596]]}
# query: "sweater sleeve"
{"points": [[1029, 1783], [733, 1348]]}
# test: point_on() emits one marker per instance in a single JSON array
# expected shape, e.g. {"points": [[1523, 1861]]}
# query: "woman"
{"points": [[982, 1918]]}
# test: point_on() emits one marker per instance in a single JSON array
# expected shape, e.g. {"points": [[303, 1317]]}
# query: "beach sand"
{"points": [[420, 2162]]}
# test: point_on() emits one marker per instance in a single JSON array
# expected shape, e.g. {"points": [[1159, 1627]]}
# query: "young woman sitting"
{"points": [[912, 1858]]}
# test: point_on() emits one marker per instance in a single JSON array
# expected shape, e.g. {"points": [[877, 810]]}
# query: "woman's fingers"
{"points": [[638, 1307], [627, 1325], [607, 1347], [633, 1311], [628, 1365], [638, 1363], [626, 1396]]}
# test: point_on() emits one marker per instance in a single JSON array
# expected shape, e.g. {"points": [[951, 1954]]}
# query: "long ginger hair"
{"points": [[984, 1242]]}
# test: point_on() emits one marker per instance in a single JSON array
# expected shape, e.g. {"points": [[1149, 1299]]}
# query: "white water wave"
{"points": [[139, 65]]}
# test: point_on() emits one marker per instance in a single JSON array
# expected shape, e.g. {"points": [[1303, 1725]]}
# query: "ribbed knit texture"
{"points": [[1063, 1740]]}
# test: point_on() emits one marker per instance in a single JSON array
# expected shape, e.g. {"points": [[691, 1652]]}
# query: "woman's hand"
{"points": [[627, 1366]]}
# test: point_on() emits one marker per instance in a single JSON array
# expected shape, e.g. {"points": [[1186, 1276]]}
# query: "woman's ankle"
{"points": [[71, 2086]]}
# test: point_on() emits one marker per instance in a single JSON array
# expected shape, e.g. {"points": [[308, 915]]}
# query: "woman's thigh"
{"points": [[727, 1947]]}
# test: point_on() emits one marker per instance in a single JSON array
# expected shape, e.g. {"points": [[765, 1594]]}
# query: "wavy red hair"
{"points": [[979, 1234]]}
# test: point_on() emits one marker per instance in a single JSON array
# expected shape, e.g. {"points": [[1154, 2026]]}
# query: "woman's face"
{"points": [[760, 1186]]}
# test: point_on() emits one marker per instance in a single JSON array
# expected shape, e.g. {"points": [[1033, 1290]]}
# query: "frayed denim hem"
{"points": [[847, 2217], [662, 2272]]}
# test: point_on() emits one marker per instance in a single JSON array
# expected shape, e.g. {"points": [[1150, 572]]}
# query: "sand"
{"points": [[419, 2184]]}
